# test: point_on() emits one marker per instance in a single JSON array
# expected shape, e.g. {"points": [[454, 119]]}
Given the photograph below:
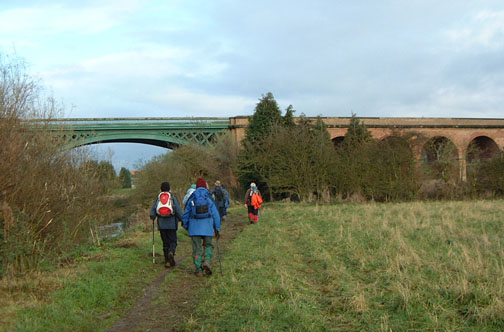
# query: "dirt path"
{"points": [[164, 305]]}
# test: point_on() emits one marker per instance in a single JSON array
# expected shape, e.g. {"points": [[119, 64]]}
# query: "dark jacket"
{"points": [[219, 202], [170, 222]]}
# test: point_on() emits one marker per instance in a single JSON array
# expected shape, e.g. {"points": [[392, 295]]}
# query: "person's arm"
{"points": [[187, 215], [178, 211], [247, 194], [226, 198], [216, 217]]}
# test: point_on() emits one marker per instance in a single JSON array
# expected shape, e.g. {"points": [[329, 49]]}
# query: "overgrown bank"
{"points": [[51, 199]]}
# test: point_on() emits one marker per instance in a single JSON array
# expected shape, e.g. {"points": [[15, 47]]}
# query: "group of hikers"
{"points": [[203, 212]]}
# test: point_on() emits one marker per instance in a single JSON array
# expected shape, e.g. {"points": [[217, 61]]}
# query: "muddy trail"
{"points": [[173, 295]]}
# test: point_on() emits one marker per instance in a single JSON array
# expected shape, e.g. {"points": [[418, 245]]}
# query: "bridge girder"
{"points": [[163, 132]]}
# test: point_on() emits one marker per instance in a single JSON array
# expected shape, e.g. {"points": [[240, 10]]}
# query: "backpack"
{"points": [[164, 206], [199, 205], [219, 195], [256, 201]]}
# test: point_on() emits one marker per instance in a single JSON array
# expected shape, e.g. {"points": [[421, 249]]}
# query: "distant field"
{"points": [[362, 267]]}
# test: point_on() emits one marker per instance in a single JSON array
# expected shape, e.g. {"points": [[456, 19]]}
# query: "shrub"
{"points": [[48, 198]]}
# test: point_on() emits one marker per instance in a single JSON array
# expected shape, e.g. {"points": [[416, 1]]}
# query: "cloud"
{"points": [[485, 29], [37, 21], [203, 104], [197, 58]]}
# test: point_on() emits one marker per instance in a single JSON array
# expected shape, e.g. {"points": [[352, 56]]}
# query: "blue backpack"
{"points": [[199, 204]]}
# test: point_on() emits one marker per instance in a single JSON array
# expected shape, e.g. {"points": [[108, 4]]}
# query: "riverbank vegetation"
{"points": [[51, 199]]}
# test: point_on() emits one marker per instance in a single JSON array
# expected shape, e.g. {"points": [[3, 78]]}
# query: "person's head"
{"points": [[253, 185], [165, 186], [201, 183], [217, 183]]}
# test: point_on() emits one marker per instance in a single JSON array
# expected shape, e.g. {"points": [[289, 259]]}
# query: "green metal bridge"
{"points": [[163, 132]]}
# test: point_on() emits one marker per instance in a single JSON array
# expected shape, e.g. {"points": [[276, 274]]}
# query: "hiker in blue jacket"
{"points": [[168, 225], [201, 219]]}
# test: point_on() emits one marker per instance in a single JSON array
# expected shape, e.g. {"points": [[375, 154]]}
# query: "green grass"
{"points": [[367, 267], [106, 284]]}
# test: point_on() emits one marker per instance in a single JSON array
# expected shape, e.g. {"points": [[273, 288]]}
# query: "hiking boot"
{"points": [[198, 274], [207, 269], [171, 258]]}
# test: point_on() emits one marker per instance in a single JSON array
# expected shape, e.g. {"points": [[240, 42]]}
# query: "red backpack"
{"points": [[164, 207]]}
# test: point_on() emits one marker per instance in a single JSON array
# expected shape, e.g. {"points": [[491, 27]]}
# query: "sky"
{"points": [[387, 58]]}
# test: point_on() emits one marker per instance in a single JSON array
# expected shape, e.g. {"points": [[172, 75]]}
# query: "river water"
{"points": [[111, 231]]}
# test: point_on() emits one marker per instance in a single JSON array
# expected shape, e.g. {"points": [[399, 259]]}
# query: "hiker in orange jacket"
{"points": [[253, 201]]}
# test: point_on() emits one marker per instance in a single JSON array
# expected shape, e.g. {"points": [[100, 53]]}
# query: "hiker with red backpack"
{"points": [[253, 201], [201, 220], [167, 210]]}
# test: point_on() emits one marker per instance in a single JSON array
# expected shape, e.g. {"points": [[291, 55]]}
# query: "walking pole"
{"points": [[218, 253], [153, 248]]}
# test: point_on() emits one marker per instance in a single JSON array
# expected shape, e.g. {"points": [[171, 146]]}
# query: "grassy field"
{"points": [[368, 267]]}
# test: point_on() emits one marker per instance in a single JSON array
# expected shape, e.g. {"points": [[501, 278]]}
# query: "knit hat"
{"points": [[201, 183], [217, 183], [165, 186]]}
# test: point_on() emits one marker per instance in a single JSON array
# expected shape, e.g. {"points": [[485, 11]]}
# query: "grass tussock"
{"points": [[367, 267]]}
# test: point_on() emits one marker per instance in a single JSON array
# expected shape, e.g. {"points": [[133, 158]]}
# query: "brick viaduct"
{"points": [[485, 135]]}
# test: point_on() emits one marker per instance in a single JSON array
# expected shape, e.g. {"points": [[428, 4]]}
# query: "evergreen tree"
{"points": [[357, 134], [266, 114], [125, 178], [288, 119]]}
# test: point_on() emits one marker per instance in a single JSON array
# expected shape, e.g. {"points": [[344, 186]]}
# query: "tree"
{"points": [[266, 115], [288, 119], [357, 134], [125, 177], [353, 161], [49, 201], [296, 160]]}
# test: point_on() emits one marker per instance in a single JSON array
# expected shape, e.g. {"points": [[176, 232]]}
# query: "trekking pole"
{"points": [[218, 254], [153, 247]]}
